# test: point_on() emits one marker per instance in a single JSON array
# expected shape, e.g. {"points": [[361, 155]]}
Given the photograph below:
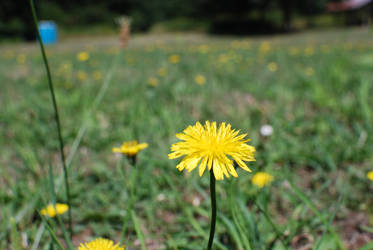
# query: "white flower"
{"points": [[266, 130]]}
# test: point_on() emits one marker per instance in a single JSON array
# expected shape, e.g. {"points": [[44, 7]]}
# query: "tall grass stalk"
{"points": [[56, 115]]}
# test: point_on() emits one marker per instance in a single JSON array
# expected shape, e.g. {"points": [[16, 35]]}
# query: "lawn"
{"points": [[314, 89]]}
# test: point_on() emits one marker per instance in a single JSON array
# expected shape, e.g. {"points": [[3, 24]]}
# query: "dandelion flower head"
{"points": [[370, 175], [130, 148], [273, 67], [174, 59], [262, 179], [152, 81], [162, 72], [101, 244], [200, 79], [51, 211], [82, 56], [216, 148]]}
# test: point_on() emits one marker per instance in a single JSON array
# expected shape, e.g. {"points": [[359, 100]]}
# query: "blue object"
{"points": [[48, 32]]}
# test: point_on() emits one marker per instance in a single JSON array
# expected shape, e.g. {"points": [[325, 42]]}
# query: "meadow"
{"points": [[314, 89]]}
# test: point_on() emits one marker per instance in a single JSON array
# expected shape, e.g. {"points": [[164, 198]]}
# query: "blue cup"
{"points": [[48, 32]]}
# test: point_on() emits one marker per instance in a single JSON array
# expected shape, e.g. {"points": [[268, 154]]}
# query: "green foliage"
{"points": [[317, 101]]}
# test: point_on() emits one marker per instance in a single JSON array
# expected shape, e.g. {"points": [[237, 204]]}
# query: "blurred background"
{"points": [[214, 16]]}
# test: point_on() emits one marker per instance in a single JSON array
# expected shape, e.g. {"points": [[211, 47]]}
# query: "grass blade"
{"points": [[56, 115], [313, 208], [138, 230]]}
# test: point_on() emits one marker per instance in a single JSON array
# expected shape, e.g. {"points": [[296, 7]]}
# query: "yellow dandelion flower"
{"points": [[262, 179], [273, 67], [203, 48], [293, 51], [82, 56], [210, 146], [130, 148], [81, 75], [101, 244], [21, 59], [310, 71], [9, 54], [264, 47], [223, 58], [200, 79], [51, 211], [162, 72], [152, 81], [370, 175], [309, 51], [97, 75], [174, 59]]}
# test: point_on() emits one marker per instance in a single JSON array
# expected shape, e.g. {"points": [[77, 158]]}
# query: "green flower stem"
{"points": [[56, 115], [213, 209]]}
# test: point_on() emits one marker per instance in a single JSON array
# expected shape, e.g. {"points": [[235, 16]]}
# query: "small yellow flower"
{"points": [[50, 211], [97, 75], [101, 244], [9, 54], [370, 175], [130, 148], [262, 179], [223, 58], [264, 47], [174, 59], [21, 59], [162, 72], [210, 146], [309, 51], [310, 71], [81, 75], [82, 56], [203, 48], [293, 51], [152, 81], [200, 79], [273, 67]]}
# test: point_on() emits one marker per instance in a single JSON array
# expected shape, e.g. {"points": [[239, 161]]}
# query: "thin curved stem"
{"points": [[213, 209], [56, 115]]}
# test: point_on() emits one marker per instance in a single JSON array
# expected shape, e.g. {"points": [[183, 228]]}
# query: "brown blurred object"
{"points": [[302, 242], [125, 31]]}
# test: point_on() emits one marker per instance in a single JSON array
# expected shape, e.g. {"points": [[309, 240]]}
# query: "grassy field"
{"points": [[315, 90]]}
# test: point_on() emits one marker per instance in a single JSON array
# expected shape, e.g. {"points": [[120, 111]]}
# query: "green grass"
{"points": [[318, 102]]}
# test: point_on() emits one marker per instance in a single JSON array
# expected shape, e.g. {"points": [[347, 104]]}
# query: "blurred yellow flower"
{"points": [[9, 54], [162, 72], [130, 148], [273, 67], [21, 59], [97, 75], [264, 47], [262, 179], [81, 75], [203, 48], [210, 146], [200, 79], [223, 58], [293, 51], [310, 71], [101, 244], [152, 81], [82, 56], [66, 66], [370, 175], [309, 51], [174, 58], [50, 211]]}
